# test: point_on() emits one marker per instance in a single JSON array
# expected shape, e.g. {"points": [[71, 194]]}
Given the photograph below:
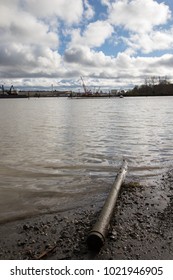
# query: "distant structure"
{"points": [[46, 93], [114, 92], [10, 91]]}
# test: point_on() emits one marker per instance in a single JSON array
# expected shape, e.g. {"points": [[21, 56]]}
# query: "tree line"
{"points": [[153, 86]]}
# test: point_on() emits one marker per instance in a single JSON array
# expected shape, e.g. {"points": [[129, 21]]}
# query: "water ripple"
{"points": [[57, 152]]}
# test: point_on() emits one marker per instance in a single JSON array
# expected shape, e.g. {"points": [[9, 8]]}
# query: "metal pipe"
{"points": [[97, 235]]}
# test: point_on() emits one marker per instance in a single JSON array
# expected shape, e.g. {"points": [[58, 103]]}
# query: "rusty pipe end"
{"points": [[95, 241]]}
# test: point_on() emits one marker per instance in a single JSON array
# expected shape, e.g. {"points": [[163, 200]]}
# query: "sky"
{"points": [[112, 44]]}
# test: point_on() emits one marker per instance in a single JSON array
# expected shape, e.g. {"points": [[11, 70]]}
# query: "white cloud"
{"points": [[123, 67], [94, 35], [19, 59], [150, 42], [31, 31], [86, 57], [138, 15], [20, 33], [89, 12], [27, 43], [105, 2], [68, 11], [29, 35], [103, 70], [19, 26]]}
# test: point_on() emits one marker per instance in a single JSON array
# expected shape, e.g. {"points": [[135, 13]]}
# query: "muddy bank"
{"points": [[141, 228]]}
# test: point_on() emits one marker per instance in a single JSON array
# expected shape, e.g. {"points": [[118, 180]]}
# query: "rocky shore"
{"points": [[141, 228]]}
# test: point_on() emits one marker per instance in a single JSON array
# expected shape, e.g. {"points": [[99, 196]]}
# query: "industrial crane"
{"points": [[11, 91], [84, 86], [86, 91]]}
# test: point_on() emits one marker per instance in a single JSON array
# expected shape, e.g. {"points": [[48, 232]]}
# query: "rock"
{"points": [[26, 227]]}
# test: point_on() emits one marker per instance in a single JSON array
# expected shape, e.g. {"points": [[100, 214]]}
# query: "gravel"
{"points": [[141, 228]]}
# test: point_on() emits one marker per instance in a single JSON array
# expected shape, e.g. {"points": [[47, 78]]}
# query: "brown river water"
{"points": [[61, 153]]}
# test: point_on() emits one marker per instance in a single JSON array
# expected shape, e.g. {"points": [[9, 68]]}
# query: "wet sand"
{"points": [[141, 228]]}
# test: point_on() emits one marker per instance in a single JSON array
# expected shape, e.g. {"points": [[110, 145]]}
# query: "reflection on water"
{"points": [[56, 153]]}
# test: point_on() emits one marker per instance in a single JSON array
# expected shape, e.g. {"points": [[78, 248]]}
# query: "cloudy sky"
{"points": [[111, 43]]}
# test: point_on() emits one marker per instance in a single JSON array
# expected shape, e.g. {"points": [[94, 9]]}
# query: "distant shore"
{"points": [[25, 95], [153, 86], [141, 228]]}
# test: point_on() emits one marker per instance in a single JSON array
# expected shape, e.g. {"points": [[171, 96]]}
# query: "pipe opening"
{"points": [[95, 241]]}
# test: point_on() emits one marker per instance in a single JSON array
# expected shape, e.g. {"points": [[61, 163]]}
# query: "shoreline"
{"points": [[141, 228]]}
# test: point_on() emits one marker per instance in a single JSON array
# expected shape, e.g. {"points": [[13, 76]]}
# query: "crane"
{"points": [[3, 89], [11, 91], [84, 86]]}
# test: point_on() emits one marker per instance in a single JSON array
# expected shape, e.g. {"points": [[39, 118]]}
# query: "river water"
{"points": [[60, 153]]}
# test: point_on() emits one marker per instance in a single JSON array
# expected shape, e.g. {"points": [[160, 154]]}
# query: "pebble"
{"points": [[26, 227], [71, 234]]}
